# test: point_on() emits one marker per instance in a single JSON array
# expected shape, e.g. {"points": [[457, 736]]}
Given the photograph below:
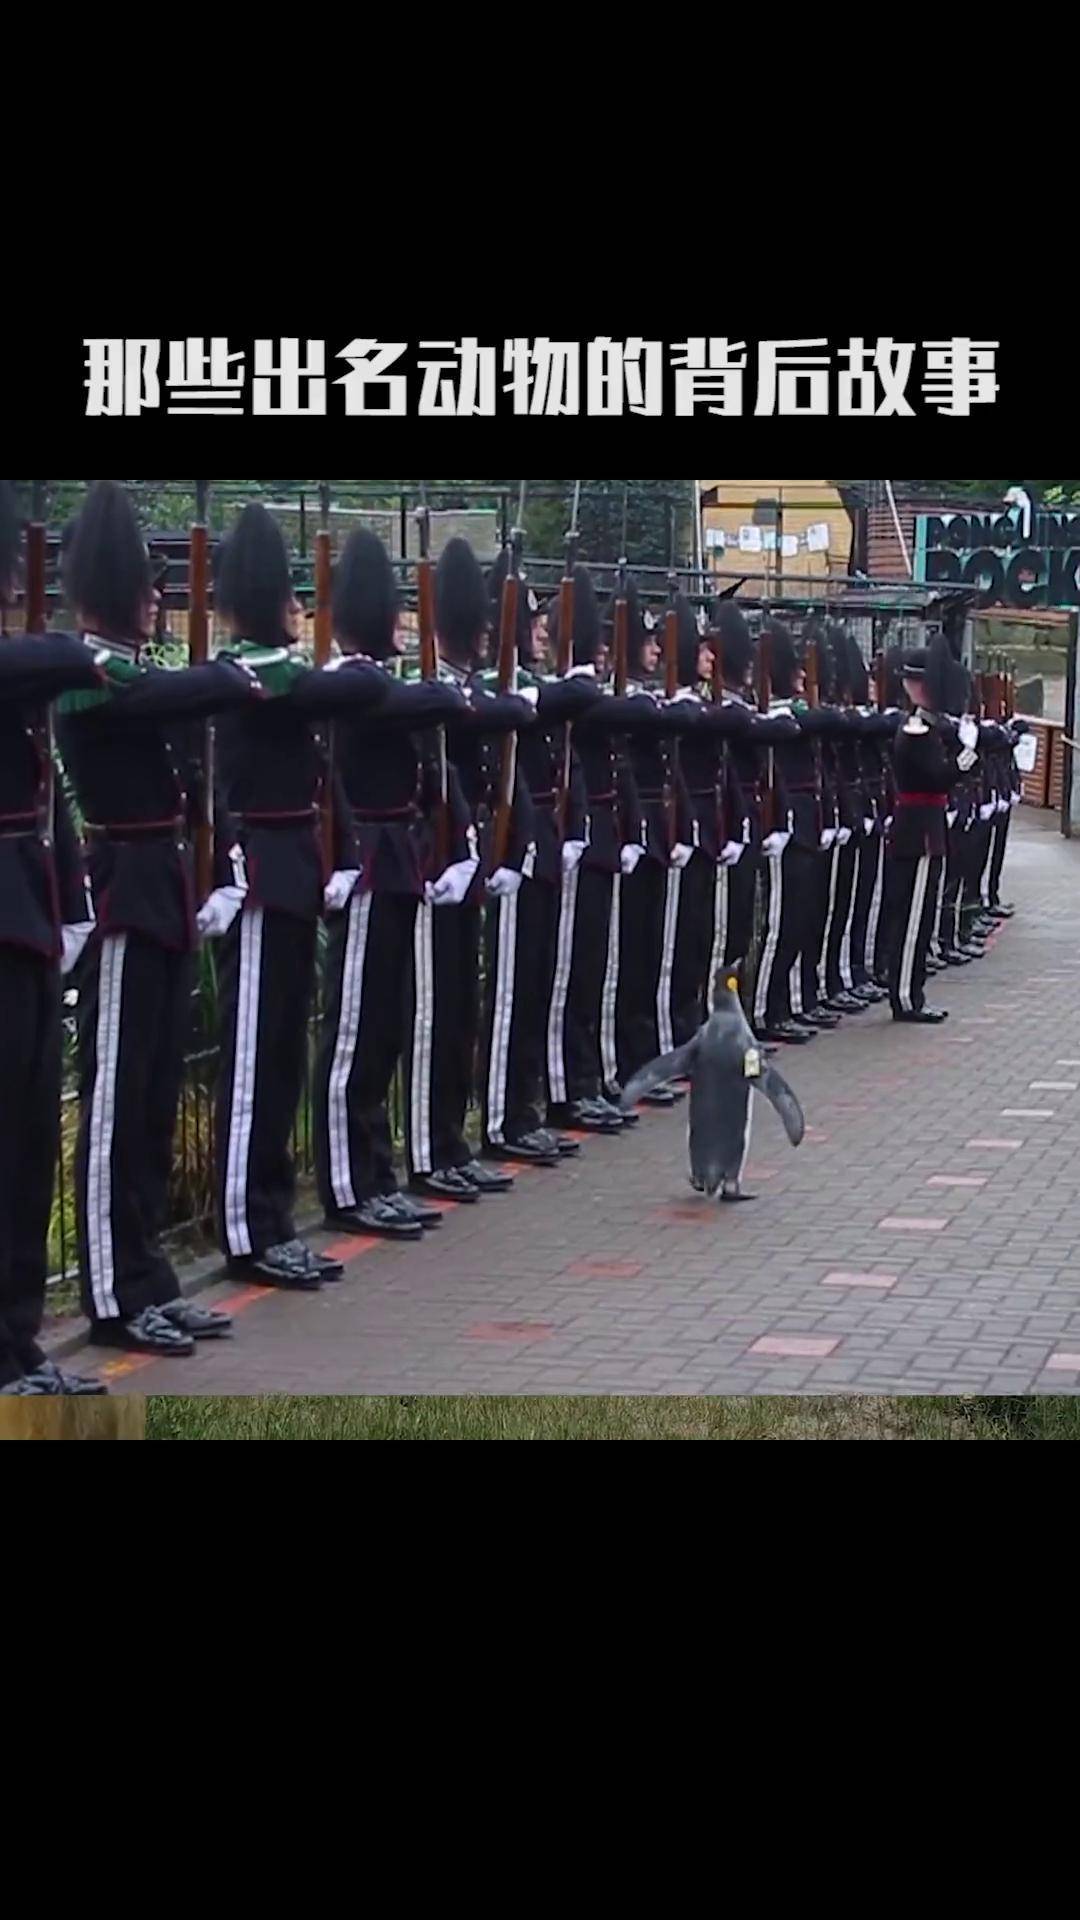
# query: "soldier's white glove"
{"points": [[827, 839], [1026, 752], [889, 823], [966, 760], [969, 733], [681, 856], [843, 835], [450, 888], [1003, 805], [868, 827], [629, 858], [776, 845], [340, 888], [951, 817], [504, 883], [1016, 799], [529, 694], [732, 853], [217, 915], [74, 939], [987, 811], [573, 854]]}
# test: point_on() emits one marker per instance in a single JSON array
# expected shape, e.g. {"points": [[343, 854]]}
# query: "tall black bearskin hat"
{"points": [[587, 630], [366, 598], [858, 678], [689, 641], [735, 642], [894, 678], [528, 606], [9, 537], [462, 608], [946, 680], [641, 627], [106, 564], [838, 659], [254, 583], [817, 634], [785, 659]]}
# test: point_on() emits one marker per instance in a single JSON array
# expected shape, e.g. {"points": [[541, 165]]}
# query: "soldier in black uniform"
{"points": [[653, 859], [383, 770], [875, 734], [443, 1015], [524, 935], [793, 852], [45, 921], [750, 734], [926, 753], [122, 747], [272, 884], [592, 872]]}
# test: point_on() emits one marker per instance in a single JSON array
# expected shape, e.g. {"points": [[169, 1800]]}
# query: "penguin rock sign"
{"points": [[725, 1067]]}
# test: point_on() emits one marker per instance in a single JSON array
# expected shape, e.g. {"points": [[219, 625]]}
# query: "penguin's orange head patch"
{"points": [[732, 983]]}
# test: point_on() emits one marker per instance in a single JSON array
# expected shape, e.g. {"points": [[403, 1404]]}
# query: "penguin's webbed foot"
{"points": [[736, 1194]]}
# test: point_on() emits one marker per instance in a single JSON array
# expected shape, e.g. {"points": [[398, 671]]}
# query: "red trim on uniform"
{"points": [[922, 799]]}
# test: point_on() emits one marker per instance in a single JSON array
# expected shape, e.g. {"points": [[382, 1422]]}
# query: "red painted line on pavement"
{"points": [[611, 1269], [505, 1330], [134, 1364], [352, 1248]]}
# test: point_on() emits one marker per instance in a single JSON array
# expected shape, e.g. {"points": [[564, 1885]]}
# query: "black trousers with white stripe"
{"points": [[442, 1016], [836, 956], [134, 1022], [916, 883], [266, 975], [792, 888], [646, 912], [581, 956], [519, 949], [997, 857], [807, 984], [869, 900], [694, 928], [369, 957], [975, 863], [29, 1140]]}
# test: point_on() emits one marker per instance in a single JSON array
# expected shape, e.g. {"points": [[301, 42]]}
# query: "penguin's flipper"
{"points": [[670, 1066], [779, 1095]]}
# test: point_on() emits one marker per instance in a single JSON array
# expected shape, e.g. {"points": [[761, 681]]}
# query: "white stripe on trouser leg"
{"points": [[911, 938], [847, 977], [99, 1234], [502, 1018], [795, 984], [874, 916], [564, 953], [935, 937], [720, 927], [609, 1053], [423, 1025], [984, 877], [667, 959], [348, 1034], [823, 957], [748, 1130], [774, 876], [242, 1100]]}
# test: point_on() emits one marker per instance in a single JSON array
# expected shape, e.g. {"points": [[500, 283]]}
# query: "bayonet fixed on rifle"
{"points": [[565, 658], [198, 654], [508, 661], [429, 670]]}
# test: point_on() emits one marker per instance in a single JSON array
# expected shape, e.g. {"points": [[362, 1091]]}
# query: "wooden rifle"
{"points": [[36, 621], [198, 654], [508, 663], [429, 670], [324, 639], [763, 688], [671, 688], [565, 659]]}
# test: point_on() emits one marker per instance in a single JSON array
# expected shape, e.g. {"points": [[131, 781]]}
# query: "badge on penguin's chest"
{"points": [[752, 1064]]}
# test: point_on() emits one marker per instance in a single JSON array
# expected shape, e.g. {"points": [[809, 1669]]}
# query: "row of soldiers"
{"points": [[529, 882]]}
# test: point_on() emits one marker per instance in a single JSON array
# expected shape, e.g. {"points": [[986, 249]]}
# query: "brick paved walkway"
{"points": [[925, 1239]]}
